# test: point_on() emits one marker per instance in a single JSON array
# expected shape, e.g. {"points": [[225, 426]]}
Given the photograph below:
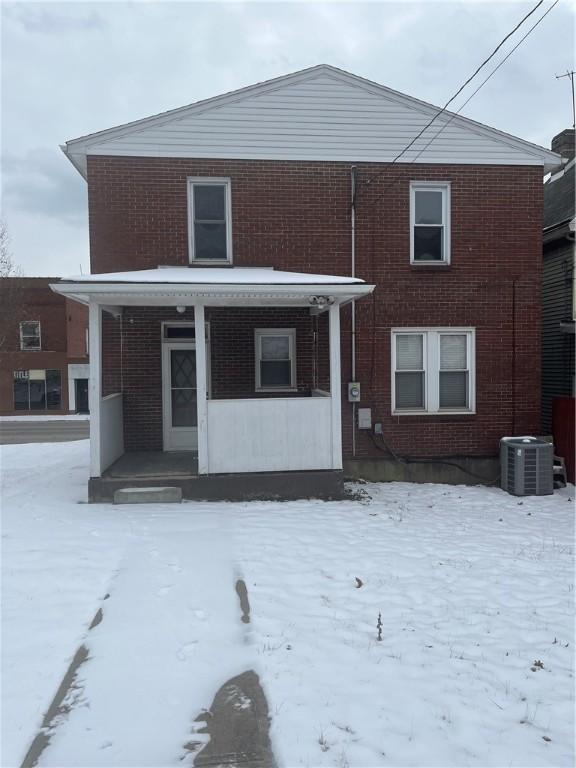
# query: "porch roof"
{"points": [[223, 286]]}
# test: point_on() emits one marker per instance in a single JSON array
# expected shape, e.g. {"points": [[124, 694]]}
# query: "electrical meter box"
{"points": [[353, 392], [364, 418]]}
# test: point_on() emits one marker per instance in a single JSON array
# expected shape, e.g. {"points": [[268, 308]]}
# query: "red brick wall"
{"points": [[233, 353], [30, 298], [296, 216], [232, 360], [111, 375], [76, 329]]}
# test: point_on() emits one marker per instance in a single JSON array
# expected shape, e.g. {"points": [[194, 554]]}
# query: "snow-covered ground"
{"points": [[475, 589]]}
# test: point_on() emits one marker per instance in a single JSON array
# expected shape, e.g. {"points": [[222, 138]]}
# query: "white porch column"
{"points": [[200, 335], [335, 386], [95, 389]]}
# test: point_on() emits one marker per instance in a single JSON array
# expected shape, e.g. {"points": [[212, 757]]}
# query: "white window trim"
{"points": [[206, 181], [291, 333], [430, 186], [31, 349], [431, 352]]}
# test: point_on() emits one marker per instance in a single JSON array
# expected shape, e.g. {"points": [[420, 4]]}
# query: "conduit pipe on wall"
{"points": [[353, 170]]}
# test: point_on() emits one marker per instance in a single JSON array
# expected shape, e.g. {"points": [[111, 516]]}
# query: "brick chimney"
{"points": [[563, 143]]}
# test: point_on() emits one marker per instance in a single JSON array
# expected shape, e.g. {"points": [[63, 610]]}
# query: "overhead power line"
{"points": [[463, 86], [483, 83]]}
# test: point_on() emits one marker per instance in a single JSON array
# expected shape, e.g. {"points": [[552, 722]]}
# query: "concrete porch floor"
{"points": [[146, 469], [154, 464]]}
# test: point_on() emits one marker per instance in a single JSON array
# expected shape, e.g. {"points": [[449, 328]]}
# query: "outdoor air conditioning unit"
{"points": [[526, 466]]}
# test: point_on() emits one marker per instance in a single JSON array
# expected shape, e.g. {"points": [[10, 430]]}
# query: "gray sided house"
{"points": [[558, 282], [558, 302]]}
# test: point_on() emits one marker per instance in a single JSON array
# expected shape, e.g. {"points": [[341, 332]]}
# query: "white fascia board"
{"points": [[222, 295]]}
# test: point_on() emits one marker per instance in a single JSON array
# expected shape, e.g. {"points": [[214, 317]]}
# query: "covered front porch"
{"points": [[225, 382]]}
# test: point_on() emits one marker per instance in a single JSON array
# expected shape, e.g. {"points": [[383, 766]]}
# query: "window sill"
{"points": [[460, 412], [210, 263], [442, 264], [271, 390]]}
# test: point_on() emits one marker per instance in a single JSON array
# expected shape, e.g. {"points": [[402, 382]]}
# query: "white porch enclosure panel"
{"points": [[111, 430], [270, 434]]}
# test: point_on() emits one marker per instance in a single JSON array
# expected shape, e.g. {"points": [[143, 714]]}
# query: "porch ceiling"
{"points": [[214, 286]]}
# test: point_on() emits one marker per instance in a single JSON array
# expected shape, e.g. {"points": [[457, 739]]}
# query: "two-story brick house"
{"points": [[43, 350], [277, 287]]}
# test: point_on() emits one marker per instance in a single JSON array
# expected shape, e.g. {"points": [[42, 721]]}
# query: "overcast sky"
{"points": [[73, 68]]}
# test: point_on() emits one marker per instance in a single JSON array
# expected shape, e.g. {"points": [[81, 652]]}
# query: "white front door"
{"points": [[180, 413]]}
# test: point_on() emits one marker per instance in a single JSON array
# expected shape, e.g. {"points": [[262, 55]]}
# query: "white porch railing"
{"points": [[270, 434], [111, 430]]}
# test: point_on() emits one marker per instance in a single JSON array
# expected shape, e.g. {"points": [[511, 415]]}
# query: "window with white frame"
{"points": [[275, 359], [429, 223], [433, 370], [209, 206], [30, 335]]}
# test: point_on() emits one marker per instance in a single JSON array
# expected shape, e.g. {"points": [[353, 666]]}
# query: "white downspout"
{"points": [[353, 319]]}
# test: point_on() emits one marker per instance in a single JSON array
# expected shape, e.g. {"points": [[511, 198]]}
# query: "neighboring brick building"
{"points": [[446, 350], [43, 349]]}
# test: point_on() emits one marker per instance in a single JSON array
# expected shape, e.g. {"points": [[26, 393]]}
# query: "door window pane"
{"points": [[183, 368], [183, 387], [53, 390], [179, 332], [184, 413]]}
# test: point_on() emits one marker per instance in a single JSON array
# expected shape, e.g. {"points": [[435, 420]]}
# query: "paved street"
{"points": [[12, 432]]}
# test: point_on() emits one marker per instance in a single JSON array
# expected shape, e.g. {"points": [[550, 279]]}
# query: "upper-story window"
{"points": [[30, 335], [429, 223], [210, 231]]}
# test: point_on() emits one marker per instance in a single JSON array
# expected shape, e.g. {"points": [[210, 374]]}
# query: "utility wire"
{"points": [[459, 91], [482, 84]]}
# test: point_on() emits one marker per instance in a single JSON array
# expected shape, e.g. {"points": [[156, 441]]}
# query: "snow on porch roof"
{"points": [[221, 286], [216, 276]]}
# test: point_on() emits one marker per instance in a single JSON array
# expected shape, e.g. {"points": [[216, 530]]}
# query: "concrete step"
{"points": [[143, 495]]}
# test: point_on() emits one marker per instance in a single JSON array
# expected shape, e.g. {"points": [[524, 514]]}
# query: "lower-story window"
{"points": [[433, 370], [37, 390], [275, 359]]}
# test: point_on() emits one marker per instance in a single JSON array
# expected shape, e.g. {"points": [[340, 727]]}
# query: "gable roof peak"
{"points": [[333, 104]]}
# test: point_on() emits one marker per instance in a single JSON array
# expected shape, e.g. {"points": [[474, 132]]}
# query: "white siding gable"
{"points": [[320, 114]]}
